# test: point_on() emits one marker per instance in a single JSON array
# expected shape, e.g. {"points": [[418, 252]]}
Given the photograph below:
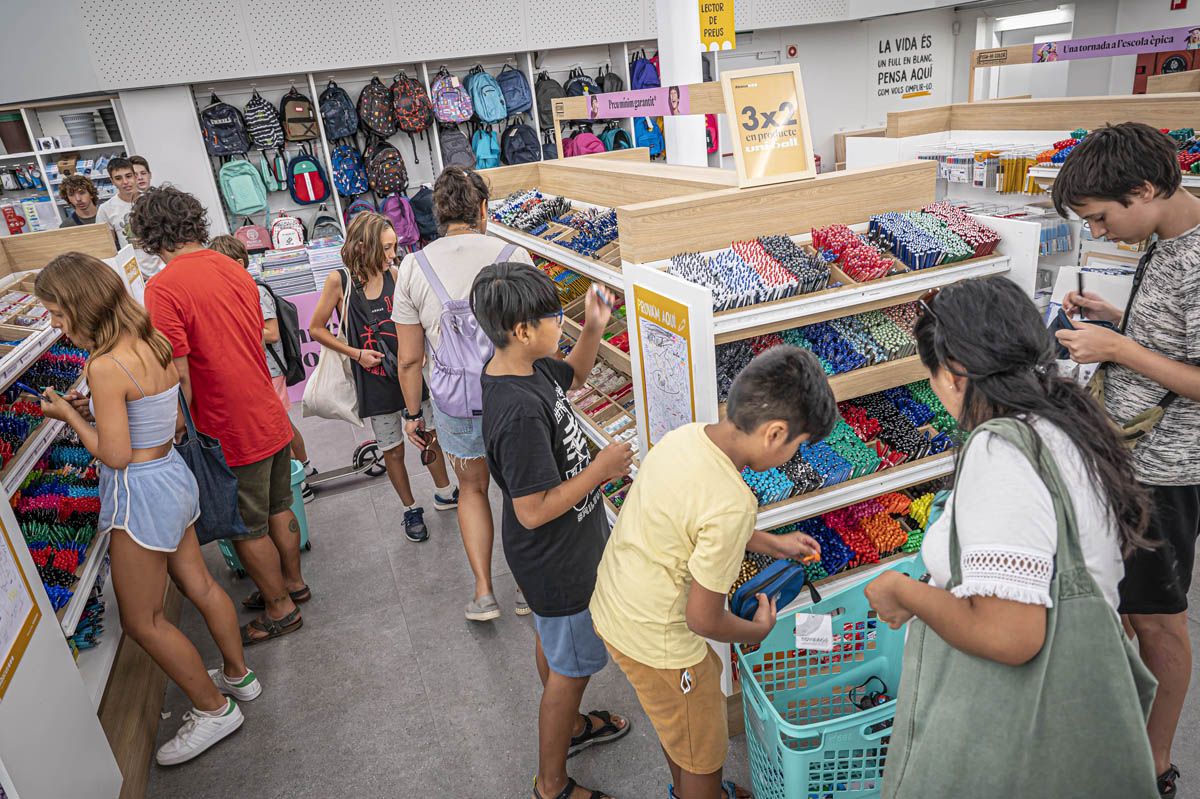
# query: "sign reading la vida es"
{"points": [[716, 25], [770, 122], [904, 66]]}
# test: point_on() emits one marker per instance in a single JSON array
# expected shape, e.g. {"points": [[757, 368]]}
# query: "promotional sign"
{"points": [[911, 64], [310, 350], [666, 101], [773, 143], [665, 355], [1120, 44], [716, 25], [19, 613]]}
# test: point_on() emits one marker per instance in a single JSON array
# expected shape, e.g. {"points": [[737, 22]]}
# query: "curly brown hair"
{"points": [[73, 183], [165, 218], [457, 194]]}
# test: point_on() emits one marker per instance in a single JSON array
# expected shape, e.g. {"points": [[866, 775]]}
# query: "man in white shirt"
{"points": [[115, 213]]}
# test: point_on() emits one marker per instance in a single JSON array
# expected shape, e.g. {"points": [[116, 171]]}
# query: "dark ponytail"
{"points": [[989, 332]]}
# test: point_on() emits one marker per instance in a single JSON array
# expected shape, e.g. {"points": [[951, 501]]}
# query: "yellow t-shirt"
{"points": [[688, 517]]}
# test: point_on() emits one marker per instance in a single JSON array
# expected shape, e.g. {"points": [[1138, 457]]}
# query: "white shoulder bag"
{"points": [[329, 392]]}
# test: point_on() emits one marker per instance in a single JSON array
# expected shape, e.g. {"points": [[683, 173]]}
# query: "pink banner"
{"points": [[663, 102], [311, 350], [1119, 44]]}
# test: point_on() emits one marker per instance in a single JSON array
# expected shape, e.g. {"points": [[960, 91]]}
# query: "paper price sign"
{"points": [[814, 631], [770, 121]]}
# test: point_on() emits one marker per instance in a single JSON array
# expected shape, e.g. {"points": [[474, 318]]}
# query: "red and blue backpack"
{"points": [[306, 179]]}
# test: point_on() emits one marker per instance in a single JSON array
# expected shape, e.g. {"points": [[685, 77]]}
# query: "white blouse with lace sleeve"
{"points": [[1006, 526]]}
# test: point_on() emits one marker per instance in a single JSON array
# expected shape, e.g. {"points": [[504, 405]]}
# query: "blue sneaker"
{"points": [[445, 503], [414, 525]]}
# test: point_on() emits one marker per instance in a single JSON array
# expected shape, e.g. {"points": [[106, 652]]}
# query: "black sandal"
{"points": [[590, 735], [1166, 782], [255, 600], [273, 628], [566, 792]]}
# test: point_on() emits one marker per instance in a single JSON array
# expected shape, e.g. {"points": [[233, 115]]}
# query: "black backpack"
{"points": [[337, 112], [547, 90], [455, 148], [262, 122], [422, 206], [224, 129], [609, 81], [580, 83], [519, 144], [289, 336], [549, 148]]}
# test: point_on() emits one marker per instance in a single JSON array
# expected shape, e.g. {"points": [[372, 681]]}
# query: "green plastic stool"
{"points": [[231, 558]]}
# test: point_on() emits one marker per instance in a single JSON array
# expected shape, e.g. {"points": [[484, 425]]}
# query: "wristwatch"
{"points": [[411, 417]]}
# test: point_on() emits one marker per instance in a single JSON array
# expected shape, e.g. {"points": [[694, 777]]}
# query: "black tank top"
{"points": [[370, 327]]}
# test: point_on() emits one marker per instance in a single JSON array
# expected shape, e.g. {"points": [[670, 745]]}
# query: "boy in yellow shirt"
{"points": [[677, 548]]}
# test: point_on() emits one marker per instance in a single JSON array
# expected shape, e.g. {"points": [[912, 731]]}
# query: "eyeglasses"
{"points": [[557, 316], [925, 303]]}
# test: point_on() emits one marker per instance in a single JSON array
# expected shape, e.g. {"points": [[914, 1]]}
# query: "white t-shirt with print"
{"points": [[114, 212]]}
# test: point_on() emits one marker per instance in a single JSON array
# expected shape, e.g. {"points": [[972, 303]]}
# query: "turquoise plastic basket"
{"points": [[807, 739]]}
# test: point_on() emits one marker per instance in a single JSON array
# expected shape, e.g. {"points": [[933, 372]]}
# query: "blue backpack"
{"points": [[615, 138], [647, 134], [486, 147], [486, 97], [349, 171], [357, 207], [338, 113], [642, 74], [517, 96]]}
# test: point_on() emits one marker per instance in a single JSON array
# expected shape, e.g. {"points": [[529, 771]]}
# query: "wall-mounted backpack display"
{"points": [[519, 144], [646, 133], [242, 188], [262, 123], [486, 97], [386, 171], [399, 212], [451, 102], [412, 107], [609, 81], [349, 171], [547, 90], [224, 129], [712, 137], [256, 237], [375, 111], [326, 227], [287, 232], [299, 117], [549, 148], [422, 206], [515, 87], [337, 113], [643, 74], [615, 138], [306, 179], [456, 150], [486, 147], [357, 207], [580, 83]]}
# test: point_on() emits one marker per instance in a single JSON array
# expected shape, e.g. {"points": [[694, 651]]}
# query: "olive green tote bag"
{"points": [[1069, 723]]}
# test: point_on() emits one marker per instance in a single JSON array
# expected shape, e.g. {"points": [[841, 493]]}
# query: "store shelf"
{"points": [[1046, 175], [90, 177], [87, 572], [15, 156], [95, 665], [851, 491], [15, 470], [75, 147], [618, 358], [24, 354], [596, 270], [868, 380]]}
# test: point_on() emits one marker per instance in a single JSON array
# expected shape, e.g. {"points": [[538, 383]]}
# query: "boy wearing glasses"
{"points": [[553, 525]]}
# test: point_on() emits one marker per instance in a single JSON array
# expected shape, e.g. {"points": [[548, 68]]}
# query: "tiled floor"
{"points": [[388, 691]]}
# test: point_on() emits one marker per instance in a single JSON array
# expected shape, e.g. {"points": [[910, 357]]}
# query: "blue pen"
{"points": [[27, 389]]}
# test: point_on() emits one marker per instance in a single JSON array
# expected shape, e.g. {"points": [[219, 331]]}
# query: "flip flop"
{"points": [[592, 735], [566, 792], [728, 786], [255, 600], [274, 628]]}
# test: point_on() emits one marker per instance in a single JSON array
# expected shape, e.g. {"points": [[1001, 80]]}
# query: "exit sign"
{"points": [[1178, 5]]}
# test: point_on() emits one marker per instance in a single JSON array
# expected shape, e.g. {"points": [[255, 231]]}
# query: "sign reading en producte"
{"points": [[716, 25], [665, 354], [770, 123]]}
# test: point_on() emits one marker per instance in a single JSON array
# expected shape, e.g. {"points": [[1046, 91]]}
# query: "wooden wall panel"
{"points": [[1175, 82], [35, 250], [614, 182], [504, 180], [917, 122], [655, 230]]}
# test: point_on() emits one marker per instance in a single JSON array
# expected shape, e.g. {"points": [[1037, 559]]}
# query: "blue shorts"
{"points": [[460, 438], [571, 645], [155, 501]]}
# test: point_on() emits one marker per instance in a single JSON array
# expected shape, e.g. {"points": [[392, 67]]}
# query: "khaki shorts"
{"points": [[691, 726], [264, 489]]}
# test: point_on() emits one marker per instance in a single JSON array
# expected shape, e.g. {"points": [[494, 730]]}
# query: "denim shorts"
{"points": [[155, 501], [460, 438], [570, 644]]}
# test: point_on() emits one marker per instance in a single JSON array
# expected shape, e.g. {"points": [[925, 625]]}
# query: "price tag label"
{"points": [[814, 631], [770, 121]]}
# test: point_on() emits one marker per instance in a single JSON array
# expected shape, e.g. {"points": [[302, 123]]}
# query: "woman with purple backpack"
{"points": [[431, 281], [362, 295]]}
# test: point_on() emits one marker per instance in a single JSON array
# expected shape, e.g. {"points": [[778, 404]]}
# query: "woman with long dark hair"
{"points": [[1018, 678]]}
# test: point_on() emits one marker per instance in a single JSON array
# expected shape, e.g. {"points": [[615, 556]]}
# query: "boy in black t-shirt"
{"points": [[553, 527]]}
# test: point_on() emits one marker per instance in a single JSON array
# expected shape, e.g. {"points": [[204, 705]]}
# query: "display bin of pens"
{"points": [[587, 230], [59, 368], [21, 313], [605, 403]]}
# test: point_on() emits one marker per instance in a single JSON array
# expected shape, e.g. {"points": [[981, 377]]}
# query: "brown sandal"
{"points": [[273, 628], [566, 792], [255, 600]]}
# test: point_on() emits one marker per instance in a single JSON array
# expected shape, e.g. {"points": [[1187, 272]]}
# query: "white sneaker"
{"points": [[198, 733], [246, 689]]}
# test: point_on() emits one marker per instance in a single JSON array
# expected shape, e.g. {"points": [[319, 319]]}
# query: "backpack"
{"points": [[386, 171], [643, 74], [224, 129], [299, 118], [609, 81], [256, 237], [519, 144], [326, 227], [615, 138], [486, 97], [337, 113], [547, 90], [486, 147], [288, 317], [262, 122], [455, 148], [549, 149], [349, 171], [375, 109], [586, 143], [711, 134], [399, 212], [515, 88], [287, 233], [422, 206], [579, 83], [242, 188], [306, 179], [357, 207], [456, 365], [647, 134], [451, 102]]}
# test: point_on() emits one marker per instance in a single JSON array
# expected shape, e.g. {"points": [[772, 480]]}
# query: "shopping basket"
{"points": [[807, 736]]}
